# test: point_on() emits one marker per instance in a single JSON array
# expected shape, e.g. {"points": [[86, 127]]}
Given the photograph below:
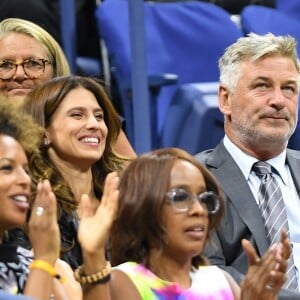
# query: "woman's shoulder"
{"points": [[123, 284]]}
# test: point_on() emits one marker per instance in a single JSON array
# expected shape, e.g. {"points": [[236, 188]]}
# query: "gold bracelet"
{"points": [[101, 277], [45, 266]]}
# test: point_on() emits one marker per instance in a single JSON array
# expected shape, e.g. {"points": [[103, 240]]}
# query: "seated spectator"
{"points": [[23, 271], [76, 154], [168, 206], [259, 98], [30, 56]]}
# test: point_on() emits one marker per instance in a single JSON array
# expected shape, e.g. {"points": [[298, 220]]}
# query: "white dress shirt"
{"points": [[284, 177]]}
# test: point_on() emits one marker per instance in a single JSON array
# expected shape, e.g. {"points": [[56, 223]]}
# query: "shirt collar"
{"points": [[245, 161]]}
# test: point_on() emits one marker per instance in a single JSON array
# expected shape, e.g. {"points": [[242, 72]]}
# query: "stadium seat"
{"points": [[194, 121], [183, 38], [289, 7], [262, 20], [81, 65]]}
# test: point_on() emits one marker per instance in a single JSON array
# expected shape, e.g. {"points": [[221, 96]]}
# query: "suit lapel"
{"points": [[238, 192], [293, 160]]}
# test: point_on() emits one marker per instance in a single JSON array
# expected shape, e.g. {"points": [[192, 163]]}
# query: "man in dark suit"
{"points": [[258, 96]]}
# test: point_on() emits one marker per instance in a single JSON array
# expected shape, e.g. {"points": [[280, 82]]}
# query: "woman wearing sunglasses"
{"points": [[161, 212]]}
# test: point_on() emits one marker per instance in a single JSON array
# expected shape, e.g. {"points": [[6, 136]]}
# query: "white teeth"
{"points": [[198, 229], [90, 140], [20, 198]]}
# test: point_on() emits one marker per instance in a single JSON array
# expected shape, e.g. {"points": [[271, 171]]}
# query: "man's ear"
{"points": [[224, 100]]}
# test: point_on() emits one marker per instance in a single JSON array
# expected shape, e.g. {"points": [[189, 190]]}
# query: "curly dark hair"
{"points": [[19, 126]]}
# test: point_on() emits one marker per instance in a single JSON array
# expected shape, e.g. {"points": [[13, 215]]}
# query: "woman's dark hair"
{"points": [[41, 103]]}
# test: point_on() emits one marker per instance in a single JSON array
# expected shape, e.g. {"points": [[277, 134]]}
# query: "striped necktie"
{"points": [[274, 213]]}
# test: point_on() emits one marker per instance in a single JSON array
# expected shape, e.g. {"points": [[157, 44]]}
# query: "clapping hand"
{"points": [[94, 227], [43, 228], [265, 275]]}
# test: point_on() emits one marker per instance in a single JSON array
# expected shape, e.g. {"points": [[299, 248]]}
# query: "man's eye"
{"points": [[289, 88], [261, 85]]}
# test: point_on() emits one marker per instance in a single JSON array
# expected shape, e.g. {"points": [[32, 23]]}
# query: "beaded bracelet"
{"points": [[102, 276], [45, 266]]}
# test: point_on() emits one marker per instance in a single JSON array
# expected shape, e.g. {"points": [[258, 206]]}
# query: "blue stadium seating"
{"points": [[183, 38], [194, 121], [261, 20], [79, 64], [289, 7]]}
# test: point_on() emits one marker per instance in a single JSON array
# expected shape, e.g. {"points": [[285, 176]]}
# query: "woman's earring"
{"points": [[46, 142]]}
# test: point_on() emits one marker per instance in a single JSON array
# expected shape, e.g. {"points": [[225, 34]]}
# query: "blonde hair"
{"points": [[56, 54]]}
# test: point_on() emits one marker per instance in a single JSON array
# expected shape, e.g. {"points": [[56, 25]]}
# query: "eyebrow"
{"points": [[6, 158], [187, 187], [84, 108], [24, 59], [11, 160], [289, 81]]}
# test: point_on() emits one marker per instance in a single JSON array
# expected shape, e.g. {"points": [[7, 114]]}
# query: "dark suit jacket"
{"points": [[242, 218]]}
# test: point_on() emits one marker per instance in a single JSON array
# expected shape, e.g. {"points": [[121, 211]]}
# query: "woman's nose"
{"points": [[92, 122], [23, 177], [20, 72], [197, 207]]}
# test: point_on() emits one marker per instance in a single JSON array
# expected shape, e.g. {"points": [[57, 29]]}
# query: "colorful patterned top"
{"points": [[208, 283], [14, 268]]}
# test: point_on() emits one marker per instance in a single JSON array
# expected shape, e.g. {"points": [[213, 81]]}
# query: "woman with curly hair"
{"points": [[23, 271]]}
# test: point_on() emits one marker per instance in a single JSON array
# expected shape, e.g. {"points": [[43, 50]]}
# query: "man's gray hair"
{"points": [[254, 47]]}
